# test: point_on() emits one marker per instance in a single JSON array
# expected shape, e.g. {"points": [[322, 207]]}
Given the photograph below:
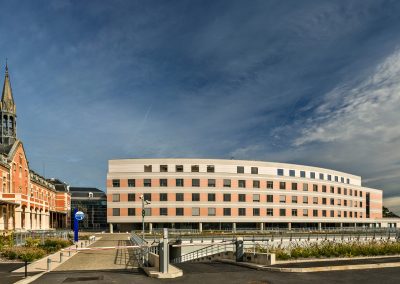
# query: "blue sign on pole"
{"points": [[76, 226], [79, 215]]}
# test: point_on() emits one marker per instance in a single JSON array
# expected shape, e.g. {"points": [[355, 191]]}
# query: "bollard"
{"points": [[61, 257], [69, 252], [81, 245], [26, 269], [48, 264], [76, 246]]}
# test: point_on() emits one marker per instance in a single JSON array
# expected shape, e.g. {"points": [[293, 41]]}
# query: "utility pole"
{"points": [[144, 202]]}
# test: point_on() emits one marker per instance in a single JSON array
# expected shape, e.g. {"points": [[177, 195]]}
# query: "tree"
{"points": [[387, 213]]}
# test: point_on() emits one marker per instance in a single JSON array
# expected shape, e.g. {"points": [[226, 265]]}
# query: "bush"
{"points": [[335, 249], [32, 243], [23, 253], [53, 245]]}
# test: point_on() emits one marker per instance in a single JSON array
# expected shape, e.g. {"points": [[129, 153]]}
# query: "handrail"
{"points": [[206, 251]]}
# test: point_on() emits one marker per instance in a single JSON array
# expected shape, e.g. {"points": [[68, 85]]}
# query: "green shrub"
{"points": [[53, 245], [32, 243], [23, 253]]}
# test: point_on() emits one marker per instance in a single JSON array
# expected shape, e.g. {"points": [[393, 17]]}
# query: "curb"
{"points": [[314, 269]]}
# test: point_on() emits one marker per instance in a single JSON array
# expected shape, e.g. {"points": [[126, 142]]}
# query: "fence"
{"points": [[20, 237]]}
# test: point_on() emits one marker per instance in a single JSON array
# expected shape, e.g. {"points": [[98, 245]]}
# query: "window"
{"points": [[195, 211], [336, 178], [323, 213], [131, 197], [227, 183], [179, 168], [315, 187], [329, 177], [163, 197], [195, 196], [361, 194], [242, 212], [302, 174], [210, 169], [294, 186], [348, 181], [195, 169], [148, 168], [332, 201], [342, 179], [355, 192], [179, 211], [116, 211], [115, 183], [270, 212], [270, 184], [339, 190], [345, 214], [227, 197], [292, 173], [227, 211], [254, 170], [332, 189], [324, 201], [315, 213], [115, 197], [179, 182], [282, 185], [211, 197], [332, 213], [242, 197], [179, 196], [147, 182], [351, 192], [312, 175], [131, 183], [211, 182], [211, 211], [305, 212], [294, 212], [345, 202], [163, 182], [195, 182], [282, 212], [321, 176], [256, 198], [147, 196], [294, 199], [282, 198], [131, 212], [163, 212], [279, 172], [305, 186], [270, 198], [242, 183], [315, 200], [256, 211], [163, 168], [240, 169], [256, 184], [345, 191], [339, 202], [324, 188], [339, 214], [305, 199]]}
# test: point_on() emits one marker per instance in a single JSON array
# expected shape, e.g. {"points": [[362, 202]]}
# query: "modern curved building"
{"points": [[236, 194]]}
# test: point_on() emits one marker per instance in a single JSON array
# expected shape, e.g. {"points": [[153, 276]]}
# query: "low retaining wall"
{"points": [[257, 258], [154, 270]]}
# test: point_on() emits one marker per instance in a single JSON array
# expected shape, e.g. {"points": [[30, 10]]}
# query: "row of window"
{"points": [[243, 212], [243, 184], [227, 197], [253, 170]]}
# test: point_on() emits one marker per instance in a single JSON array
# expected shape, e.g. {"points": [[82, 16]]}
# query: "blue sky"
{"points": [[309, 82]]}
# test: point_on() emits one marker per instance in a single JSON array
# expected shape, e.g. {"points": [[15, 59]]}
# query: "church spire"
{"points": [[7, 100], [8, 115]]}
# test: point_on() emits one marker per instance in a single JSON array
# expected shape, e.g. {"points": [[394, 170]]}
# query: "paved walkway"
{"points": [[103, 259]]}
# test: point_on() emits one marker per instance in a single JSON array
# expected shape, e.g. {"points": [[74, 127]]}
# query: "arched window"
{"points": [[5, 121]]}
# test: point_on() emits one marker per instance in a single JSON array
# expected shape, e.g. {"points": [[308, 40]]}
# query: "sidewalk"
{"points": [[39, 267]]}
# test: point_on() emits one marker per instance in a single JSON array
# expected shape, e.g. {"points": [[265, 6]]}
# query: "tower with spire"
{"points": [[8, 115]]}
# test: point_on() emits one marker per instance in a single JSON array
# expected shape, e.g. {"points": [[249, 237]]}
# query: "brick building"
{"points": [[27, 200]]}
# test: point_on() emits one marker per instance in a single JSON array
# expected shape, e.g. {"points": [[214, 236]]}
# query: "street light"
{"points": [[144, 203]]}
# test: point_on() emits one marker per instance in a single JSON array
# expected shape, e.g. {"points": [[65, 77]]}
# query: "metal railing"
{"points": [[21, 237], [206, 251]]}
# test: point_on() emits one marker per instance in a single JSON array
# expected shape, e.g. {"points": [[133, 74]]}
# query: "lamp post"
{"points": [[144, 203]]}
